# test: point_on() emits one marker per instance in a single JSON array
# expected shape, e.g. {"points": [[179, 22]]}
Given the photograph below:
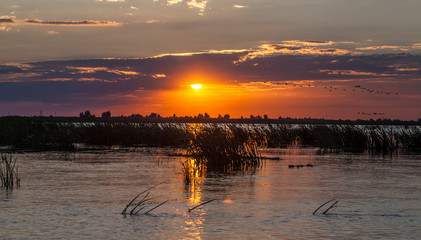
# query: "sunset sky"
{"points": [[291, 58]]}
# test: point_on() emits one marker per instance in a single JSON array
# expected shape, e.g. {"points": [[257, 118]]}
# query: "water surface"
{"points": [[81, 196]]}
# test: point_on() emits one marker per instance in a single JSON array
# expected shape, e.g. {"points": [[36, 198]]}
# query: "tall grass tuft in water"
{"points": [[192, 172], [8, 172], [226, 149]]}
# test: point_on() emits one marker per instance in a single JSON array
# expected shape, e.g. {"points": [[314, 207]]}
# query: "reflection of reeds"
{"points": [[8, 172]]}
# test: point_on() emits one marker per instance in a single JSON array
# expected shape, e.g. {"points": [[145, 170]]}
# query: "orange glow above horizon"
{"points": [[202, 90], [222, 96]]}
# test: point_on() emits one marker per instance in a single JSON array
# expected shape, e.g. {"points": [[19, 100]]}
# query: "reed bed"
{"points": [[221, 140], [9, 175], [226, 149]]}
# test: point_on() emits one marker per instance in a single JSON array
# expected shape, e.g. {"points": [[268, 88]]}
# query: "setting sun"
{"points": [[196, 86]]}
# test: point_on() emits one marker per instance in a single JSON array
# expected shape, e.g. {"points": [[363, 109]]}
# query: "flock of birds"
{"points": [[370, 114], [356, 88], [332, 88]]}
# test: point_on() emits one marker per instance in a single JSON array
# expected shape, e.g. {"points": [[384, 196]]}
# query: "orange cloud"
{"points": [[416, 45], [295, 48], [240, 6], [226, 51], [85, 70]]}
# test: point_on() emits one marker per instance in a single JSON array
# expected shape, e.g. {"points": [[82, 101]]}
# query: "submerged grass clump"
{"points": [[9, 175], [192, 171], [225, 148]]}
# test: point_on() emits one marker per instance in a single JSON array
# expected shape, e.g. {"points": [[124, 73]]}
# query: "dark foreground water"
{"points": [[80, 196]]}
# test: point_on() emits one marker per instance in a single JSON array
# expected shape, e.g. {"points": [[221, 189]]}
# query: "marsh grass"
{"points": [[44, 134], [192, 172], [129, 134], [228, 148], [9, 174]]}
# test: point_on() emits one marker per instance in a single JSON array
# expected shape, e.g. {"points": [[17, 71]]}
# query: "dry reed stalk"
{"points": [[315, 211], [8, 172], [191, 209], [333, 205], [157, 206], [134, 199]]}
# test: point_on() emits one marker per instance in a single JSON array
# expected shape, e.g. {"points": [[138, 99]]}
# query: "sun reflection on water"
{"points": [[195, 220]]}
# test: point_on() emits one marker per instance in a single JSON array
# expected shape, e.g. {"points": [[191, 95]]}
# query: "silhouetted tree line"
{"points": [[206, 118]]}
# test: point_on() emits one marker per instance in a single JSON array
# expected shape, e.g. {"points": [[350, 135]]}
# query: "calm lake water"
{"points": [[81, 196]]}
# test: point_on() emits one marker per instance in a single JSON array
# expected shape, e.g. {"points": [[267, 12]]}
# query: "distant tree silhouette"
{"points": [[136, 116], [227, 116], [154, 115], [106, 114], [206, 115], [265, 116], [86, 114]]}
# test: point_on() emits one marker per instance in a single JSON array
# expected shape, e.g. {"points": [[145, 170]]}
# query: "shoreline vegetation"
{"points": [[205, 118], [69, 134]]}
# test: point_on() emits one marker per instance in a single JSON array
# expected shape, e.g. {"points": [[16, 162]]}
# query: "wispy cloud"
{"points": [[383, 47], [154, 21], [201, 5], [416, 46], [240, 6], [53, 32], [356, 73], [85, 70], [159, 75], [20, 66], [407, 69], [5, 28], [225, 51], [73, 23], [296, 48], [306, 43], [172, 2]]}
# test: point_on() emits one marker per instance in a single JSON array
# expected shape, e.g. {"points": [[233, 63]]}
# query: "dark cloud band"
{"points": [[73, 23], [6, 20]]}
